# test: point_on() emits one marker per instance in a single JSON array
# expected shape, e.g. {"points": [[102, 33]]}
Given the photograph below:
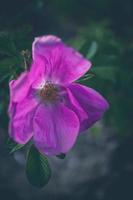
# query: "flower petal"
{"points": [[56, 61], [88, 104], [55, 129], [19, 88], [21, 126]]}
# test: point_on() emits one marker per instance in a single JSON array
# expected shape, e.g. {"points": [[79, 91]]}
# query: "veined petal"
{"points": [[55, 129], [21, 122], [41, 44], [88, 104], [56, 61], [19, 88]]}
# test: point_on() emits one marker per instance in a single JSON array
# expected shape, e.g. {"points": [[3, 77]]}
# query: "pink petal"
{"points": [[19, 88], [88, 104], [21, 126], [56, 61], [55, 129]]}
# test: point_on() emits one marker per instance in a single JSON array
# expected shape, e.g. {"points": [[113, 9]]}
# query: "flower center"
{"points": [[49, 92]]}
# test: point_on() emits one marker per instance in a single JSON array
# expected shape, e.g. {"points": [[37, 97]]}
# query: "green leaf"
{"points": [[7, 64], [38, 170], [5, 77], [92, 50], [84, 48], [61, 156], [13, 146], [7, 46], [85, 78], [89, 49], [10, 68], [107, 73], [16, 147]]}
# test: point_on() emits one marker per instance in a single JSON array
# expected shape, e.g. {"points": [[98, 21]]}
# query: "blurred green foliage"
{"points": [[38, 170], [95, 28]]}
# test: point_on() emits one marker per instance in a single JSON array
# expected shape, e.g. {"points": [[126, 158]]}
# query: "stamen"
{"points": [[49, 92]]}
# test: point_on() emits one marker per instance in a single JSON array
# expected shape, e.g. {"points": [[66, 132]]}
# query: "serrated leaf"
{"points": [[38, 170], [13, 146], [61, 156]]}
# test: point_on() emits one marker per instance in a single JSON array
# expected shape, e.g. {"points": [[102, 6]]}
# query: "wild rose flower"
{"points": [[45, 103]]}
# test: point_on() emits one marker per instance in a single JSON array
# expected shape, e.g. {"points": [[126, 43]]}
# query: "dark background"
{"points": [[100, 166]]}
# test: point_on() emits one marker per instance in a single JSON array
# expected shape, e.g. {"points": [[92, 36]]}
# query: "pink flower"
{"points": [[45, 103]]}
